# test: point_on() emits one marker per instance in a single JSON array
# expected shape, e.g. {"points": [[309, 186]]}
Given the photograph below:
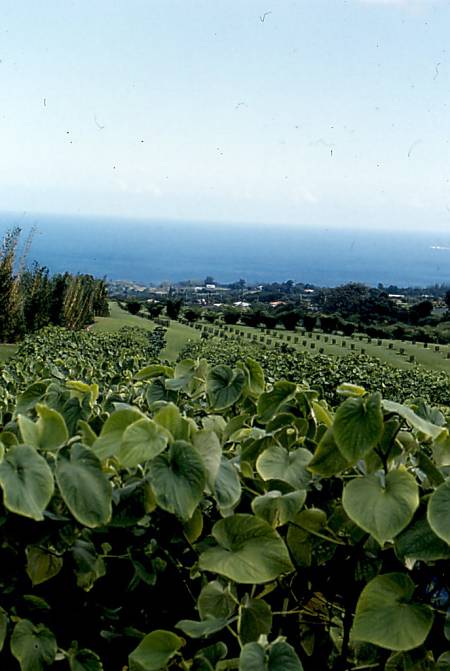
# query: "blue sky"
{"points": [[320, 112]]}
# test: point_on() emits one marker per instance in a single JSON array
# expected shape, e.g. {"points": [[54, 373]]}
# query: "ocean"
{"points": [[154, 251]]}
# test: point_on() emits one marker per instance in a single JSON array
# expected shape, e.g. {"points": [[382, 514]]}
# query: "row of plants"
{"points": [[324, 372], [203, 517], [108, 360]]}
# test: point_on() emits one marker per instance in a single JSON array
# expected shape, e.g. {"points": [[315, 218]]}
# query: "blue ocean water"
{"points": [[154, 251]]}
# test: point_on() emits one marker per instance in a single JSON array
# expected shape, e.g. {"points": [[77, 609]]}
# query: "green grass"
{"points": [[6, 351], [176, 337], [119, 318]]}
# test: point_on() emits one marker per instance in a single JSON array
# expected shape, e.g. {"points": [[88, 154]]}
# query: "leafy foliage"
{"points": [[325, 373], [125, 480]]}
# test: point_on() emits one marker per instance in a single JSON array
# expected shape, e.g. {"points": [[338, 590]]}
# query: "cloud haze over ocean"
{"points": [[333, 112]]}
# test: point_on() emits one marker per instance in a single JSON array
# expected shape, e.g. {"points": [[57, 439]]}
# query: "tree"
{"points": [[211, 316], [251, 317], [309, 322], [269, 320], [328, 323], [289, 319], [420, 311], [173, 307], [133, 307], [9, 295], [193, 314], [231, 316], [154, 309], [447, 299]]}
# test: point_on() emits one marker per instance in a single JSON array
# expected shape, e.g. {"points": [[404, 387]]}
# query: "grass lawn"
{"points": [[6, 351], [176, 337]]}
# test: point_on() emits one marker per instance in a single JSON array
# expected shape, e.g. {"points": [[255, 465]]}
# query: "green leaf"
{"points": [[270, 402], [141, 441], [208, 445], [227, 487], [224, 386], [154, 370], [281, 657], [438, 511], [347, 389], [171, 419], [248, 551], [48, 433], [327, 459], [154, 651], [277, 508], [255, 376], [419, 542], [382, 508], [34, 646], [27, 482], [84, 660], [110, 439], [386, 616], [358, 426], [89, 565], [7, 439], [52, 429], [322, 415], [199, 629], [42, 565], [3, 627], [32, 395], [255, 618], [178, 479], [28, 431], [416, 422], [84, 487], [216, 600], [183, 375], [193, 527], [276, 463], [88, 435]]}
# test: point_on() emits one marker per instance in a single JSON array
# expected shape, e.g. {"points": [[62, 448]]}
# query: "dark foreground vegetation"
{"points": [[213, 515]]}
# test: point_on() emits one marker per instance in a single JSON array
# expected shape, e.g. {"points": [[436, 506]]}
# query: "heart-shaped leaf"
{"points": [[386, 616], [382, 505], [83, 485], [27, 482], [277, 508], [438, 511], [216, 600], [34, 646], [154, 651], [141, 441], [277, 463], [270, 402], [255, 618], [199, 629], [224, 386], [178, 479], [358, 426], [248, 551]]}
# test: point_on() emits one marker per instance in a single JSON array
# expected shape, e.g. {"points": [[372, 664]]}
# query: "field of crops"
{"points": [[125, 479]]}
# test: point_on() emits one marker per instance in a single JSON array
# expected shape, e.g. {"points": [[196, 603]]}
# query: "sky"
{"points": [[318, 112]]}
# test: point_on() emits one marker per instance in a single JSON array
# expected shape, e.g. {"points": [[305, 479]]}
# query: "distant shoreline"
{"points": [[168, 251]]}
